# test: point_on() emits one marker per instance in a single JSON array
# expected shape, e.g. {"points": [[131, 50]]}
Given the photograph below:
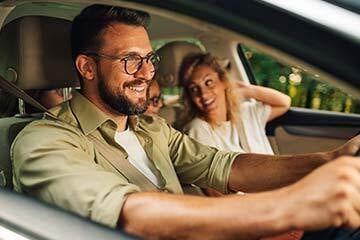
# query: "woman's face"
{"points": [[207, 91]]}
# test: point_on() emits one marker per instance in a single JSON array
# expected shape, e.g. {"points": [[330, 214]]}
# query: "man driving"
{"points": [[97, 156]]}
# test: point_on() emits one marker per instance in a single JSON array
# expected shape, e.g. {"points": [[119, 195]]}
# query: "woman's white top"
{"points": [[248, 136]]}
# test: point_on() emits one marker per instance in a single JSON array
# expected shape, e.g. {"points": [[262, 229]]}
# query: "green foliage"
{"points": [[305, 90]]}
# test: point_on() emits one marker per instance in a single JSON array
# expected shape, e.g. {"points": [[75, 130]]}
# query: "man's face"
{"points": [[124, 93]]}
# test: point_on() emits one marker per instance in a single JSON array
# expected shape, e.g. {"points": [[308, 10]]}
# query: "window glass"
{"points": [[306, 90]]}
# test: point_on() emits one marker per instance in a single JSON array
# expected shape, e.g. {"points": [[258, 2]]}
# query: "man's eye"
{"points": [[209, 82]]}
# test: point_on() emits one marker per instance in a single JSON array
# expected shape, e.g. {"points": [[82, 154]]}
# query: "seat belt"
{"points": [[19, 93], [121, 164], [124, 166]]}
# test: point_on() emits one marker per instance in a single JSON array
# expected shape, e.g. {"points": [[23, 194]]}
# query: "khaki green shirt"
{"points": [[54, 160]]}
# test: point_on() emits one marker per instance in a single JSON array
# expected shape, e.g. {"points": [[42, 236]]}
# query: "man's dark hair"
{"points": [[89, 25]]}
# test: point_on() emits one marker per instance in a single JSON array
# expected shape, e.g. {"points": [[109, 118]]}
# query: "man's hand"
{"points": [[328, 197], [350, 148]]}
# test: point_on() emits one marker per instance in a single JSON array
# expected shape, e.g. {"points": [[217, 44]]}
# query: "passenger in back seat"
{"points": [[94, 155], [9, 105], [221, 117], [155, 100], [49, 98]]}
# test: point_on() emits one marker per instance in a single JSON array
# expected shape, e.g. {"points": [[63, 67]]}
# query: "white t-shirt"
{"points": [[224, 137], [136, 154], [253, 118]]}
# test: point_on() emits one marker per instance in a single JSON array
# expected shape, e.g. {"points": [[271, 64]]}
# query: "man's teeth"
{"points": [[137, 89]]}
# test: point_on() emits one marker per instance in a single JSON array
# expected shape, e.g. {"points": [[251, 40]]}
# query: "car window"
{"points": [[305, 89]]}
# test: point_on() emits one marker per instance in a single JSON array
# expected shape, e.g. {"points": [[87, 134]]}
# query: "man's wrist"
{"points": [[283, 218], [278, 215]]}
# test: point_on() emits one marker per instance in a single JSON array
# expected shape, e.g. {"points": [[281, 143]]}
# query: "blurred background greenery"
{"points": [[305, 90]]}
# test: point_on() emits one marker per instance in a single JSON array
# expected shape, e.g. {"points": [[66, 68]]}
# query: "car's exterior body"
{"points": [[285, 31]]}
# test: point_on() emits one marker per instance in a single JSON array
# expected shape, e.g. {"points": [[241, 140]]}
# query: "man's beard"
{"points": [[119, 102]]}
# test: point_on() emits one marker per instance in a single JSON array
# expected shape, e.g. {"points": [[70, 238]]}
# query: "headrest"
{"points": [[36, 54], [171, 55]]}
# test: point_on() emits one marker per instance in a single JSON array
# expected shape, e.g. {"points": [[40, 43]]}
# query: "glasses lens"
{"points": [[132, 64], [155, 60]]}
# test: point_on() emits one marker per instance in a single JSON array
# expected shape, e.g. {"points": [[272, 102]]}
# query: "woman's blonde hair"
{"points": [[188, 65]]}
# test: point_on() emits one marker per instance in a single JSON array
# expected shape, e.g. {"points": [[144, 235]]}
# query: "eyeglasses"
{"points": [[133, 62], [155, 100]]}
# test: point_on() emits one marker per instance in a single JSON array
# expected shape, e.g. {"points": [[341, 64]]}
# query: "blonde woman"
{"points": [[229, 116]]}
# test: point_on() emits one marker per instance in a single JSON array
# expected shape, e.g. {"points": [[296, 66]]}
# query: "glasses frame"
{"points": [[126, 58]]}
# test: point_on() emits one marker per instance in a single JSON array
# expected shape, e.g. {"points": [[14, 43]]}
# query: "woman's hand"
{"points": [[279, 102]]}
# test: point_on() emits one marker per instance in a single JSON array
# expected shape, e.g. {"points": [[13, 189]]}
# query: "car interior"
{"points": [[34, 42], [35, 54]]}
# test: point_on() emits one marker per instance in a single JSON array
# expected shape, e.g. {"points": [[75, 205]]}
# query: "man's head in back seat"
{"points": [[155, 99], [51, 98]]}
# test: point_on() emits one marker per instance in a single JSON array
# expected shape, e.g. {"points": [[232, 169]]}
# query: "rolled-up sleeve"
{"points": [[198, 164], [58, 166]]}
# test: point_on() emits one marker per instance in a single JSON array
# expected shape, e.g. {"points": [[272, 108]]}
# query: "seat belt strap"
{"points": [[121, 164], [19, 93]]}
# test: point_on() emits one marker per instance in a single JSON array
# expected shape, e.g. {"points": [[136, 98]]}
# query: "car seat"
{"points": [[172, 55], [35, 54]]}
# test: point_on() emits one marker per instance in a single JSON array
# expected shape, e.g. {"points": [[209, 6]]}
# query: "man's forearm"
{"points": [[258, 172], [327, 197], [166, 216]]}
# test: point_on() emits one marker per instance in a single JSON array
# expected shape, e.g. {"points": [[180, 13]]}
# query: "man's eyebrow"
{"points": [[124, 53], [132, 53]]}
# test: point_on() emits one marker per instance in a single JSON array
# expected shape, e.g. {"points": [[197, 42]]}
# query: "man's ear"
{"points": [[86, 66]]}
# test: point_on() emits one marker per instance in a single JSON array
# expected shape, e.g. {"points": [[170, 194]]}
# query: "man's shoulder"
{"points": [[47, 130], [58, 123]]}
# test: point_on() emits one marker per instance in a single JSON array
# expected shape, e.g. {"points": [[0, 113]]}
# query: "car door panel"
{"points": [[304, 130]]}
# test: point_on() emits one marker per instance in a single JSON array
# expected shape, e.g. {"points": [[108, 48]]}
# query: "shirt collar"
{"points": [[90, 117]]}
